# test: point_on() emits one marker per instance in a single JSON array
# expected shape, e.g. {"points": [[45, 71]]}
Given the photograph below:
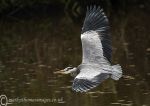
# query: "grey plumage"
{"points": [[96, 58], [97, 21], [89, 77]]}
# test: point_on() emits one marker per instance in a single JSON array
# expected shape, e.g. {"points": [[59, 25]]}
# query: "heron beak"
{"points": [[60, 72]]}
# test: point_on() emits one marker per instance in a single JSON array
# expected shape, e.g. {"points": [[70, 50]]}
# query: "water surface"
{"points": [[31, 50]]}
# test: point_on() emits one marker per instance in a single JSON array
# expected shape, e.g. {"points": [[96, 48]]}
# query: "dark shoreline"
{"points": [[26, 9]]}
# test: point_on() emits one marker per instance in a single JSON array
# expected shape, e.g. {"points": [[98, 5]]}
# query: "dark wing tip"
{"points": [[83, 85], [95, 19]]}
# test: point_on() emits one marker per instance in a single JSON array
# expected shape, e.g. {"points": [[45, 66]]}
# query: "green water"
{"points": [[31, 50]]}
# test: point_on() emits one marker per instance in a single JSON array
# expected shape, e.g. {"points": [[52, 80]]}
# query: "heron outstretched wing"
{"points": [[88, 78], [95, 36], [96, 48]]}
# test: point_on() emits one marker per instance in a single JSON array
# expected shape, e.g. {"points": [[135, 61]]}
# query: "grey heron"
{"points": [[96, 53]]}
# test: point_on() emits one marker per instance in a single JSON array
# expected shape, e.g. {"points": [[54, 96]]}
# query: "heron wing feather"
{"points": [[86, 80], [92, 48], [96, 21]]}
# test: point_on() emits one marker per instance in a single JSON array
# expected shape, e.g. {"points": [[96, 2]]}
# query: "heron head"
{"points": [[67, 70]]}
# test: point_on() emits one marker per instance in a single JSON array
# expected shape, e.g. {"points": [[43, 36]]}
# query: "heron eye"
{"points": [[68, 68]]}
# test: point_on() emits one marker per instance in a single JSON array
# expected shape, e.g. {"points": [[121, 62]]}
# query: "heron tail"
{"points": [[116, 72]]}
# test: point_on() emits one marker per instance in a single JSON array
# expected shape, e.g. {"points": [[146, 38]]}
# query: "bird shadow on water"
{"points": [[31, 50]]}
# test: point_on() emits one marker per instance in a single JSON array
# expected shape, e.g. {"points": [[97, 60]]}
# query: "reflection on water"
{"points": [[31, 50]]}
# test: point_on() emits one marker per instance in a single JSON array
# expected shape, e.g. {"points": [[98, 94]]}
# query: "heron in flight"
{"points": [[96, 57]]}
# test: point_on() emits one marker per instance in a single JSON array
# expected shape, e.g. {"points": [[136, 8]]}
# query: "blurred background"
{"points": [[38, 37]]}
